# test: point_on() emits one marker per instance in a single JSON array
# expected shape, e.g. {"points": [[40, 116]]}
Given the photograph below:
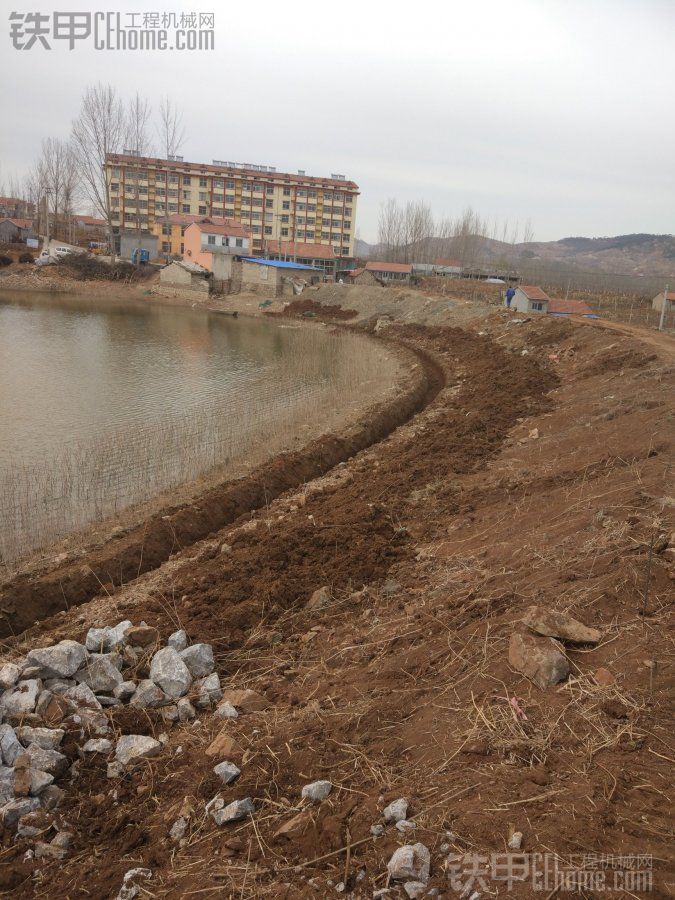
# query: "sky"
{"points": [[559, 112]]}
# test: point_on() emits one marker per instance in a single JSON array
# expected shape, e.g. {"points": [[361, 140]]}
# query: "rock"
{"points": [[100, 674], [225, 548], [516, 840], [11, 812], [246, 700], [7, 779], [208, 691], [396, 811], [124, 690], [186, 711], [47, 738], [98, 745], [53, 709], [59, 685], [170, 713], [52, 797], [604, 678], [141, 635], [148, 695], [82, 696], [414, 889], [199, 660], [223, 745], [234, 811], [134, 747], [550, 623], [60, 661], [102, 640], [9, 675], [39, 781], [90, 721], [178, 640], [404, 825], [317, 791], [227, 772], [114, 769], [411, 862], [63, 839], [10, 748], [320, 599], [170, 672], [294, 827], [107, 702], [377, 830], [538, 658], [21, 699], [130, 889], [47, 760], [49, 851], [226, 711], [178, 829]]}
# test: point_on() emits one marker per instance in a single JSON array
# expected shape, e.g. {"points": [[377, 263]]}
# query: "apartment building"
{"points": [[274, 206]]}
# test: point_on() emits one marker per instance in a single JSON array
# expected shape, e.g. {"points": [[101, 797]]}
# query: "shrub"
{"points": [[6, 260], [88, 268], [26, 258]]}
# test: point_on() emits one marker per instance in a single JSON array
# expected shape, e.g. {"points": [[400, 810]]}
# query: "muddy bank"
{"points": [[31, 597]]}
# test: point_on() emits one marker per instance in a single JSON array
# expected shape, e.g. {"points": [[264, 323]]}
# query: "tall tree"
{"points": [[170, 130], [139, 142]]}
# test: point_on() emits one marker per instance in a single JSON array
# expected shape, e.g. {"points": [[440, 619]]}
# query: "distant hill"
{"points": [[651, 255]]}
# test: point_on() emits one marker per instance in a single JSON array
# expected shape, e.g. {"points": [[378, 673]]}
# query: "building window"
{"points": [[173, 207], [217, 198], [166, 229], [166, 247], [239, 242], [160, 176], [203, 196], [269, 204], [310, 235], [182, 248], [186, 179], [268, 229], [284, 232], [173, 179], [186, 208], [217, 211], [284, 218], [229, 184], [537, 306], [210, 238], [286, 204], [203, 182], [218, 183], [287, 192], [202, 210]]}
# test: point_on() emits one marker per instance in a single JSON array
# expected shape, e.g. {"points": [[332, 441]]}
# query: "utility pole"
{"points": [[663, 308]]}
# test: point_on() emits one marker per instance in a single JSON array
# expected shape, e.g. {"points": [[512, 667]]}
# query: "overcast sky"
{"points": [[558, 111]]}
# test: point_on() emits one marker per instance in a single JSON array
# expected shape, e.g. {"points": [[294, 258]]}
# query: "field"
{"points": [[524, 464]]}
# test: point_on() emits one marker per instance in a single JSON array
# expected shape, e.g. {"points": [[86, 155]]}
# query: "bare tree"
{"points": [[170, 130], [139, 142], [390, 229], [98, 131], [54, 176]]}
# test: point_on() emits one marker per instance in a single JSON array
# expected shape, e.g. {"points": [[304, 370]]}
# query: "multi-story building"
{"points": [[274, 206]]}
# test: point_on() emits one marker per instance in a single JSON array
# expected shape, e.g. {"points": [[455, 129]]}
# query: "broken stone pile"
{"points": [[67, 688]]}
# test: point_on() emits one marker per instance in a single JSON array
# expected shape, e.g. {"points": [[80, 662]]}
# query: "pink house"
{"points": [[215, 245]]}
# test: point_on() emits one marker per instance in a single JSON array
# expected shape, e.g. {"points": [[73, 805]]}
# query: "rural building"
{"points": [[530, 298], [137, 240], [388, 271], [275, 277], [185, 278], [657, 302], [91, 224], [358, 276], [569, 308], [170, 230], [15, 231], [280, 206], [16, 208], [319, 256], [449, 268], [215, 247]]}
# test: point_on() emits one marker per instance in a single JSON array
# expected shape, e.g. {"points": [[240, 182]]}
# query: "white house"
{"points": [[529, 298], [657, 302]]}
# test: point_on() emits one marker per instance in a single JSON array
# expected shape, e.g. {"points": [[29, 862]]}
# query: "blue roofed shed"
{"points": [[276, 277]]}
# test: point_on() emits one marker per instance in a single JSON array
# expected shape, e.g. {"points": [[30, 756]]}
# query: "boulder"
{"points": [[50, 761], [246, 700], [53, 709], [223, 745], [320, 599], [170, 672], [551, 623], [52, 797], [538, 658], [98, 745], [100, 674], [60, 661], [101, 640], [59, 685], [148, 694], [317, 791], [199, 660], [10, 748], [208, 691], [178, 640], [14, 810], [186, 711], [233, 812], [415, 889], [21, 700], [411, 862], [178, 829], [47, 738], [396, 811], [82, 696], [226, 711], [132, 748], [227, 772], [141, 635], [89, 721], [9, 675], [39, 781], [125, 690]]}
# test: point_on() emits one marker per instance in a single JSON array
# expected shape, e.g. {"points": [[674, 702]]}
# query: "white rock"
{"points": [[101, 640], [9, 675], [404, 825], [199, 660], [82, 696], [377, 830], [100, 673], [178, 640], [170, 672], [186, 711], [148, 694], [98, 745], [124, 690], [47, 738], [6, 784], [107, 702], [233, 812], [208, 690], [11, 812], [317, 791], [411, 862], [39, 781], [414, 889], [227, 772], [516, 840], [59, 685], [10, 747], [129, 889], [115, 769], [133, 747], [396, 810], [21, 700], [47, 760], [226, 711], [60, 661], [178, 829], [170, 713], [52, 797]]}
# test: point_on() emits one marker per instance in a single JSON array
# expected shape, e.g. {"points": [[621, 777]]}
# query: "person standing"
{"points": [[510, 294]]}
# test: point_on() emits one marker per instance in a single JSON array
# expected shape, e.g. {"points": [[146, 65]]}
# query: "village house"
{"points": [[657, 302], [568, 308], [16, 208], [276, 277], [15, 231], [359, 276], [170, 230], [449, 268], [185, 279], [318, 256], [530, 298], [91, 225], [388, 271], [215, 247]]}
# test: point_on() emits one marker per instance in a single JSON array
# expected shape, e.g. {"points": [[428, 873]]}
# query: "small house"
{"points": [[276, 277], [669, 298], [569, 308], [215, 246], [530, 298], [359, 276], [318, 256], [15, 231], [186, 279], [390, 272]]}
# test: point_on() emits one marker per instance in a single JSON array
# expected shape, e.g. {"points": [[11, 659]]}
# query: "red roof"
{"points": [[297, 248], [90, 220], [20, 223], [670, 295], [454, 263], [569, 307], [403, 268], [354, 273], [532, 292], [229, 227]]}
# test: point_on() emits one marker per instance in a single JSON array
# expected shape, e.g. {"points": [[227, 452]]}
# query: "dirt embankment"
{"points": [[537, 474]]}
